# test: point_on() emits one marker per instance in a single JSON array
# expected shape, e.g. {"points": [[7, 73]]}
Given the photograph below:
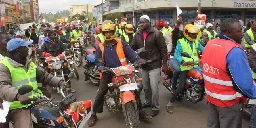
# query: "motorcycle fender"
{"points": [[127, 97]]}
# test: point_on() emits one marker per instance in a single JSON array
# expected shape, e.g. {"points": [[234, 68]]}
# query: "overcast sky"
{"points": [[55, 5]]}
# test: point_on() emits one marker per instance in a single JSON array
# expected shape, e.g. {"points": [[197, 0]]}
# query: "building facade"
{"points": [[97, 13], [166, 9], [80, 9]]}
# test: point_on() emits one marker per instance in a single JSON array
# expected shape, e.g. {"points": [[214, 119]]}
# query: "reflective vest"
{"points": [[120, 31], [210, 36], [218, 84], [199, 35], [21, 77], [64, 33], [193, 53], [126, 37], [101, 37], [119, 51], [253, 73], [164, 30], [76, 34], [251, 35]]}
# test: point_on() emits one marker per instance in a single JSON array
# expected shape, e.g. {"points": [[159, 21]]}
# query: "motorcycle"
{"points": [[91, 73], [59, 67], [77, 52], [194, 88], [121, 96], [66, 113]]}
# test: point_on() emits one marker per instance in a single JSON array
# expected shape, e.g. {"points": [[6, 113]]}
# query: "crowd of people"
{"points": [[228, 79]]}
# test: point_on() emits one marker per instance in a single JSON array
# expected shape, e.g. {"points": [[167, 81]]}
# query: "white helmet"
{"points": [[209, 25]]}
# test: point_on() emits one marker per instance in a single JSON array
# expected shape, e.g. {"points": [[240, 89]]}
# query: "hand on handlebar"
{"points": [[23, 99]]}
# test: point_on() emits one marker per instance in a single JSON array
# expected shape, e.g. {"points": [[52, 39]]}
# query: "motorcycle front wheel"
{"points": [[74, 68], [131, 114], [78, 60]]}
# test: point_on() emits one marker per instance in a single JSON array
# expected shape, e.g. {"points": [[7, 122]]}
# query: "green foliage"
{"points": [[82, 17], [113, 16], [50, 17], [28, 20]]}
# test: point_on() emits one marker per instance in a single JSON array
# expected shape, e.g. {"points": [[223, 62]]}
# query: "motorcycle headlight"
{"points": [[110, 84]]}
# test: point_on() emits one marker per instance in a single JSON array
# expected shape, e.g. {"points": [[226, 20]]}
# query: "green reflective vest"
{"points": [[164, 30], [210, 36], [120, 31], [126, 37], [253, 73], [64, 33], [193, 53], [250, 33], [101, 37], [76, 34], [21, 77]]}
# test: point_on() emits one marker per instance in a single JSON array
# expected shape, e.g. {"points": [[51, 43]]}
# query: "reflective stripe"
{"points": [[23, 82], [33, 79], [223, 97], [217, 81], [122, 60]]}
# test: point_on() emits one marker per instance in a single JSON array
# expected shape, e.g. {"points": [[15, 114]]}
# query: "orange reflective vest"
{"points": [[119, 51], [218, 84]]}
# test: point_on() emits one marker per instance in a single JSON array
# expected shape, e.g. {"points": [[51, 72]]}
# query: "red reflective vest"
{"points": [[218, 84]]}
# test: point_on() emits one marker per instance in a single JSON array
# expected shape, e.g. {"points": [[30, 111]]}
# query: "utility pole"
{"points": [[102, 7], [87, 13], [133, 17], [199, 7]]}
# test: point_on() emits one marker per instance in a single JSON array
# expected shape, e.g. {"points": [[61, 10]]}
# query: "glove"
{"points": [[23, 99], [101, 68], [164, 68]]}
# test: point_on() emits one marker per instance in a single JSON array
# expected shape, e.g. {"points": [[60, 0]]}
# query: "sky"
{"points": [[58, 5]]}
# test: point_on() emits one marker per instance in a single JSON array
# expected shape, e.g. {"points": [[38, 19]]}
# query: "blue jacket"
{"points": [[111, 59], [178, 50], [241, 73]]}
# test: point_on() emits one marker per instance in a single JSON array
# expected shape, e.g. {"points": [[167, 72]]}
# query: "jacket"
{"points": [[8, 92], [155, 48], [55, 48], [252, 59], [127, 38], [111, 58], [249, 38], [176, 35], [218, 84]]}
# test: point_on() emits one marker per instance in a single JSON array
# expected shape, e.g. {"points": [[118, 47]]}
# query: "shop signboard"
{"points": [[200, 20], [244, 4], [8, 19]]}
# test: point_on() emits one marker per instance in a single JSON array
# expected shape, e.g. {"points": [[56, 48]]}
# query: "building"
{"points": [[166, 9], [31, 10], [98, 13], [80, 9], [6, 10]]}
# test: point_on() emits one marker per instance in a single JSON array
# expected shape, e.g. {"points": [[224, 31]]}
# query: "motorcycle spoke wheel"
{"points": [[132, 115]]}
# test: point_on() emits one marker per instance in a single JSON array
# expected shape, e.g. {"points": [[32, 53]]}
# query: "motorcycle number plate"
{"points": [[128, 87], [85, 120], [252, 101]]}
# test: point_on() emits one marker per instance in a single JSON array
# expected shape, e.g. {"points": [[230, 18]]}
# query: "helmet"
{"points": [[209, 25], [190, 32], [107, 28], [98, 30], [129, 28], [160, 23]]}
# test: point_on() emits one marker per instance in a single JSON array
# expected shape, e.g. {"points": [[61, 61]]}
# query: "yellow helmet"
{"points": [[129, 28], [106, 28], [190, 32]]}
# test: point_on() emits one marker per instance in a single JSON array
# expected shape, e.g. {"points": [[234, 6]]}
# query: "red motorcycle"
{"points": [[121, 96]]}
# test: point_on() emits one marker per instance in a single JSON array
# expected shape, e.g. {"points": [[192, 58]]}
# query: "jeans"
{"points": [[176, 73], [253, 117], [182, 80], [150, 81]]}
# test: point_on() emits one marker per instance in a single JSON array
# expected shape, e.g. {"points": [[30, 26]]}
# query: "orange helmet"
{"points": [[98, 30]]}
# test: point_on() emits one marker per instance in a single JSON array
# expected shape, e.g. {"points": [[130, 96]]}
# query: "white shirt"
{"points": [[41, 41]]}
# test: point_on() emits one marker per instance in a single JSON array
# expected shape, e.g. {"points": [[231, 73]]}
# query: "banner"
{"points": [[25, 26], [8, 19], [2, 9], [60, 20], [16, 14], [200, 21]]}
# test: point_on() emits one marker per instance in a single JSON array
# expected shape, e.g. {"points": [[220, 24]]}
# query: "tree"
{"points": [[52, 17], [113, 16], [28, 20]]}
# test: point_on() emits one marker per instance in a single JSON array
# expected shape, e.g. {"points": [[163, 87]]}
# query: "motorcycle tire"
{"points": [[92, 80], [76, 75], [131, 115], [78, 64]]}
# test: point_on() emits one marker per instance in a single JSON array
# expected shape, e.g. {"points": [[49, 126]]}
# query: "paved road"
{"points": [[186, 115]]}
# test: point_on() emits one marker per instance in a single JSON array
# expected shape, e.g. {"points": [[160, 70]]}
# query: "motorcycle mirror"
{"points": [[184, 54], [25, 89]]}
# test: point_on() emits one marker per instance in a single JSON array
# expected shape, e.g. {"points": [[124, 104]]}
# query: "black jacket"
{"points": [[155, 48], [54, 48]]}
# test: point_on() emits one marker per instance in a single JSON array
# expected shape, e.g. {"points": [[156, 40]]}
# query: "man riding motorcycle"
{"points": [[190, 45], [128, 34], [110, 59], [16, 71], [76, 33]]}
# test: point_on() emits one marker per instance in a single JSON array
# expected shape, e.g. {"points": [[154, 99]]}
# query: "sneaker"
{"points": [[154, 113], [146, 105], [144, 116], [169, 109], [92, 121]]}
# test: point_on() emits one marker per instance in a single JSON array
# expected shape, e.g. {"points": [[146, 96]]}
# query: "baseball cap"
{"points": [[13, 44]]}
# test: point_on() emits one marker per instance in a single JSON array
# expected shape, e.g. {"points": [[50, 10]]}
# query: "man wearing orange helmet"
{"points": [[128, 34], [190, 45], [113, 53], [98, 37]]}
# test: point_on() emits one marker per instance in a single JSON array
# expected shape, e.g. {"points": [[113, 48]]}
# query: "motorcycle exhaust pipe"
{"points": [[167, 85]]}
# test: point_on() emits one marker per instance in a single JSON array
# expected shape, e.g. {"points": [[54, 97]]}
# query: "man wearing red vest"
{"points": [[227, 77], [114, 53]]}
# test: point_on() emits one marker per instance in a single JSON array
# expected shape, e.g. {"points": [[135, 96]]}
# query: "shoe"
{"points": [[92, 121], [70, 90], [144, 116], [146, 105], [154, 113], [169, 109]]}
